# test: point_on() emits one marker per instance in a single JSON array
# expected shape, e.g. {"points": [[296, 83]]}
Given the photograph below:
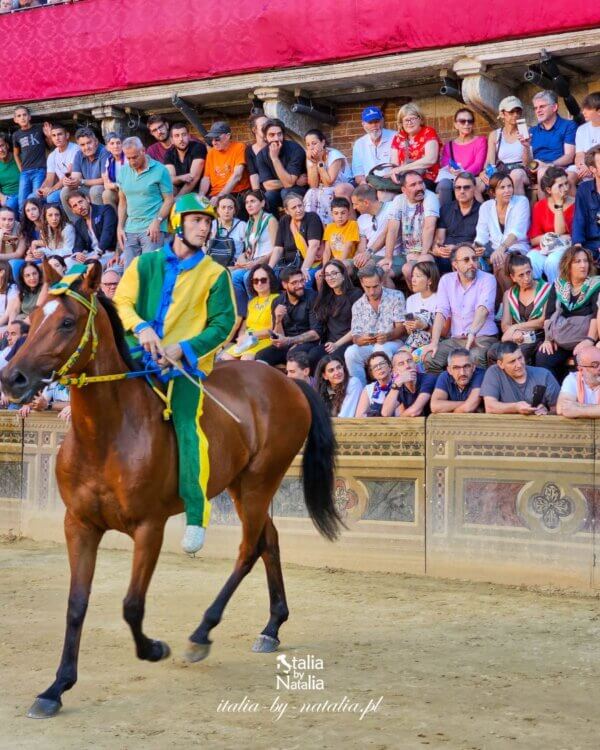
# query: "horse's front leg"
{"points": [[148, 540], [82, 546]]}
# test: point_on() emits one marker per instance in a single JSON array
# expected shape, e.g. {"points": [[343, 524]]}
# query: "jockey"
{"points": [[180, 304]]}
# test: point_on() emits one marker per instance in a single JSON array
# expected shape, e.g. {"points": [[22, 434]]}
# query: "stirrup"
{"points": [[193, 539]]}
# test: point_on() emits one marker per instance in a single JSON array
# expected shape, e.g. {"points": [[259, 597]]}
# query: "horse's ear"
{"points": [[92, 278], [51, 275]]}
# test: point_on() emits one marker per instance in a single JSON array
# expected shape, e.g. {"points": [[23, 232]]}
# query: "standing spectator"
{"points": [[506, 152], [374, 147], [225, 168], [586, 221], [88, 167], [297, 366], [333, 307], [57, 236], [415, 147], [524, 307], [466, 297], [509, 386], [410, 391], [373, 222], [114, 165], [9, 175], [30, 284], [109, 282], [580, 391], [256, 123], [185, 159], [465, 153], [298, 241], [421, 305], [588, 134], [9, 235], [95, 228], [281, 165], [551, 224], [145, 200], [158, 128], [458, 221], [457, 390], [342, 236], [371, 399], [58, 165], [338, 390], [328, 174], [29, 147], [376, 325], [574, 296], [9, 297], [228, 226]]}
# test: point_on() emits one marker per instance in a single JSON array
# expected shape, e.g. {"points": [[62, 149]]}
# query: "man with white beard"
{"points": [[373, 148]]}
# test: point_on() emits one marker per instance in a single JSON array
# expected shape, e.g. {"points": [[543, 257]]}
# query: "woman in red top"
{"points": [[415, 146], [551, 222]]}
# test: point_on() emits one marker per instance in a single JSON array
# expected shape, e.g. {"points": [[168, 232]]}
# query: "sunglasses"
{"points": [[463, 187], [374, 222], [465, 122], [260, 280]]}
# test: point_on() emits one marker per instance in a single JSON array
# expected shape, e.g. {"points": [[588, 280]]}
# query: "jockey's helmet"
{"points": [[190, 203]]}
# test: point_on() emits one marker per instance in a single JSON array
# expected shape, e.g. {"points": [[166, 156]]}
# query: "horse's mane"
{"points": [[118, 331]]}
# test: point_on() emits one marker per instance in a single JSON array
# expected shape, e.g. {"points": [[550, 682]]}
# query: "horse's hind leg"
{"points": [[82, 546], [268, 640], [147, 543]]}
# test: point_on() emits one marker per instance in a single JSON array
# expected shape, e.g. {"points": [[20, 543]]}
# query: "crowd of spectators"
{"points": [[462, 279]]}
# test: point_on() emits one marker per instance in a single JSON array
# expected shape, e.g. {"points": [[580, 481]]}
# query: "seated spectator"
{"points": [[506, 153], [185, 159], [374, 218], [580, 391], [341, 236], [466, 297], [297, 366], [10, 232], [586, 221], [95, 228], [574, 296], [415, 147], [333, 308], [9, 175], [59, 164], [55, 397], [16, 333], [29, 150], [552, 141], [328, 174], [9, 296], [58, 264], [227, 226], [551, 224], [512, 387], [281, 165], [29, 283], [586, 137], [255, 332], [502, 225], [421, 304], [225, 167], [298, 240], [88, 167], [338, 390], [457, 390], [458, 222], [109, 282], [6, 6], [374, 147], [57, 236], [114, 164], [158, 128], [376, 325], [410, 391], [31, 225], [465, 153], [379, 369], [524, 307], [259, 241], [294, 323], [256, 123]]}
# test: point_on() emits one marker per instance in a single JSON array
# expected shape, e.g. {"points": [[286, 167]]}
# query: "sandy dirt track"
{"points": [[459, 665]]}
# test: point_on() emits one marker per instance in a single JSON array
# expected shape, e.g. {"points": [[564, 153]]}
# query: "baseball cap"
{"points": [[371, 114], [508, 103], [218, 128]]}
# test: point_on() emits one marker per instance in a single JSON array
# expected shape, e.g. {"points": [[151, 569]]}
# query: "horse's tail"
{"points": [[318, 465]]}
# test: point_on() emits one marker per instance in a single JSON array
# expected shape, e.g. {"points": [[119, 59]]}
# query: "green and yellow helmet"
{"points": [[190, 203]]}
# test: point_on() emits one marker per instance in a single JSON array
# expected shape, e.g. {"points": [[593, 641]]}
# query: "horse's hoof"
{"points": [[264, 644], [160, 651], [44, 708], [196, 651]]}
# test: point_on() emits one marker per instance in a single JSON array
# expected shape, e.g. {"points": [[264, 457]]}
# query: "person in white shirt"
{"points": [[373, 148], [373, 220], [328, 174], [588, 134], [580, 391], [58, 164], [339, 391]]}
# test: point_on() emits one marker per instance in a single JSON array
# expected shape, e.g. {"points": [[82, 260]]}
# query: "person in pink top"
{"points": [[415, 147], [465, 153]]}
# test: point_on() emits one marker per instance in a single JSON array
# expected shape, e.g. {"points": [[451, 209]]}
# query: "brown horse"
{"points": [[117, 467]]}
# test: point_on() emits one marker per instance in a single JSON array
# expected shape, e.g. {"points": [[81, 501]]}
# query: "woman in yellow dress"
{"points": [[254, 333]]}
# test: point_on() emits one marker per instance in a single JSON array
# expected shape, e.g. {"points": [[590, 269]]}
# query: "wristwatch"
{"points": [[321, 165]]}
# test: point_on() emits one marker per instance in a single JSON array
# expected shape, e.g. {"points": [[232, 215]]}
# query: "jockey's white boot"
{"points": [[193, 539]]}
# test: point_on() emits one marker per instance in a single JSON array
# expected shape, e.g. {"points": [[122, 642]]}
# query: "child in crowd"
{"points": [[341, 237]]}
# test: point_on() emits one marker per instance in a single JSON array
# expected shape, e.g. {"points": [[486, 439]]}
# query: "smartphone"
{"points": [[539, 391], [372, 334], [273, 334], [67, 175], [522, 128], [409, 316]]}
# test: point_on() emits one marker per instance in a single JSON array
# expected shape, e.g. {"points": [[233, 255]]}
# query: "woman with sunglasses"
{"points": [[254, 333], [338, 390], [465, 153], [379, 371]]}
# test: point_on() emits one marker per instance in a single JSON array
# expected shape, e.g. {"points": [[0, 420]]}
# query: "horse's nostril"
{"points": [[19, 379]]}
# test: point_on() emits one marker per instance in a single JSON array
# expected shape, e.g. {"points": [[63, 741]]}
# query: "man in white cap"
{"points": [[374, 147]]}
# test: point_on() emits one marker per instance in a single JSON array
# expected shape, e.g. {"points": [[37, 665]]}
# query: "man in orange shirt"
{"points": [[225, 170]]}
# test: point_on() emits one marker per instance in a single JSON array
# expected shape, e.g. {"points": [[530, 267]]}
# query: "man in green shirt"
{"points": [[9, 175]]}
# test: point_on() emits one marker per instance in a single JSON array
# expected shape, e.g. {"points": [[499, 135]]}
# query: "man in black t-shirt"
{"points": [[458, 221], [281, 166], [29, 149], [184, 159]]}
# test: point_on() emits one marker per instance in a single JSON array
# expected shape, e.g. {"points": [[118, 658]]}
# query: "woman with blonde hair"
{"points": [[415, 147]]}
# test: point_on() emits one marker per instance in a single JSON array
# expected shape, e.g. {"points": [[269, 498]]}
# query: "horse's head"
{"points": [[58, 330]]}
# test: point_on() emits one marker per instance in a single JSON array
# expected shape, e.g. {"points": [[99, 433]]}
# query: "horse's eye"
{"points": [[68, 323]]}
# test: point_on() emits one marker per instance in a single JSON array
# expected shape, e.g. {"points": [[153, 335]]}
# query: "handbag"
{"points": [[222, 249], [290, 259], [379, 182], [566, 332]]}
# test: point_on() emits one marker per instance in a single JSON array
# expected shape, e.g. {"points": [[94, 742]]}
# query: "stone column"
{"points": [[277, 104], [111, 119], [480, 91]]}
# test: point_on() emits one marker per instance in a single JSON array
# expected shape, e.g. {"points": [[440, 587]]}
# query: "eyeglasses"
{"points": [[110, 283], [463, 187], [593, 366], [411, 119], [465, 122], [378, 365], [331, 274], [260, 280]]}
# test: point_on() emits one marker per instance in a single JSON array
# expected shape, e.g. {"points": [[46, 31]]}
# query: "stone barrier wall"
{"points": [[497, 498]]}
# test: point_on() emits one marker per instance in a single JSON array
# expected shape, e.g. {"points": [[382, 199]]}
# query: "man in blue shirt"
{"points": [[552, 139], [457, 389], [586, 220], [86, 171]]}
